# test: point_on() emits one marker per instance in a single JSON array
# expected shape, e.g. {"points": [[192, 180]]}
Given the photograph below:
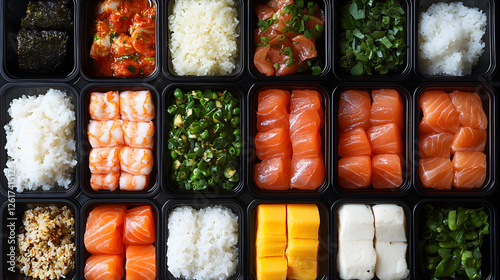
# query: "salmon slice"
{"points": [[385, 139], [355, 172], [469, 140], [263, 11], [305, 48], [302, 100], [272, 144], [270, 34], [139, 227], [272, 109], [439, 114], [436, 173], [387, 107], [301, 119], [307, 173], [470, 169], [386, 171], [103, 231], [104, 267], [285, 66], [278, 4], [141, 262], [283, 24], [306, 142], [354, 142], [273, 174], [259, 61], [435, 145], [470, 108], [354, 110]]}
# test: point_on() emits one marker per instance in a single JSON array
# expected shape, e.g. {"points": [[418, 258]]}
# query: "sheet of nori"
{"points": [[48, 15], [41, 51]]}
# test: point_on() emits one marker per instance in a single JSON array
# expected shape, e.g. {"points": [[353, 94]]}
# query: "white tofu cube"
{"points": [[356, 260], [391, 260], [389, 223], [355, 223]]}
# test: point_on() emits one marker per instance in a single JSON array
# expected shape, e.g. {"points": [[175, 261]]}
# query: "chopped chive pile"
{"points": [[373, 37], [204, 139]]}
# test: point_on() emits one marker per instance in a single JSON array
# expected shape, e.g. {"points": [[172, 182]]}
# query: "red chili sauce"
{"points": [[124, 38]]}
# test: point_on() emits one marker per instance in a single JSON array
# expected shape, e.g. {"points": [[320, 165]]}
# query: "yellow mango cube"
{"points": [[265, 248], [274, 268], [302, 269], [271, 219], [302, 221], [304, 249]]}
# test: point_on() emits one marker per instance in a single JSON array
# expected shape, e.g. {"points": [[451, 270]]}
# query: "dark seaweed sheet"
{"points": [[41, 51], [48, 15]]}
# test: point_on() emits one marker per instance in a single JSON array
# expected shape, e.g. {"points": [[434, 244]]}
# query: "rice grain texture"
{"points": [[450, 39]]}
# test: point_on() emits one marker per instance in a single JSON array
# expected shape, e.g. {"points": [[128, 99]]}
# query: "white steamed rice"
{"points": [[41, 145], [450, 39], [202, 244], [203, 37]]}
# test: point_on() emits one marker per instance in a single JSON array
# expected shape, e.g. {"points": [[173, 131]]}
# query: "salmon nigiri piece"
{"points": [[470, 169], [469, 140], [387, 107], [306, 142], [470, 108], [385, 139], [272, 144], [273, 174], [354, 142], [354, 109], [104, 267], [386, 171], [139, 227], [141, 262], [299, 120], [272, 109], [436, 173], [435, 145], [439, 114], [355, 172], [307, 173], [103, 231]]}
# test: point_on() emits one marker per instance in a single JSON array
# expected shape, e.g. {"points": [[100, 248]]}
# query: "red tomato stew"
{"points": [[285, 37], [124, 38]]}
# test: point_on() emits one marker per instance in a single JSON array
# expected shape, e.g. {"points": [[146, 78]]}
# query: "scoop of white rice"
{"points": [[202, 244], [450, 39], [40, 141], [203, 37]]}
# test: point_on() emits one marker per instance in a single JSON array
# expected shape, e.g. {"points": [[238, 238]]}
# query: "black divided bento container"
{"points": [[78, 80]]}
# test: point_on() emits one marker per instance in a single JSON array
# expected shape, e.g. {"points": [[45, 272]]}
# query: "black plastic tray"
{"points": [[246, 82]]}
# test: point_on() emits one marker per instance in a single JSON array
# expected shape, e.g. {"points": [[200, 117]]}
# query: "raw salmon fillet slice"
{"points": [[259, 60], [305, 100], [354, 142], [435, 145], [273, 174], [470, 169], [104, 230], [141, 262], [387, 107], [470, 108], [354, 109], [104, 267], [307, 173], [386, 171], [385, 139], [306, 142], [436, 173], [301, 119], [469, 140], [272, 144], [439, 114], [354, 172], [272, 109], [139, 227]]}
